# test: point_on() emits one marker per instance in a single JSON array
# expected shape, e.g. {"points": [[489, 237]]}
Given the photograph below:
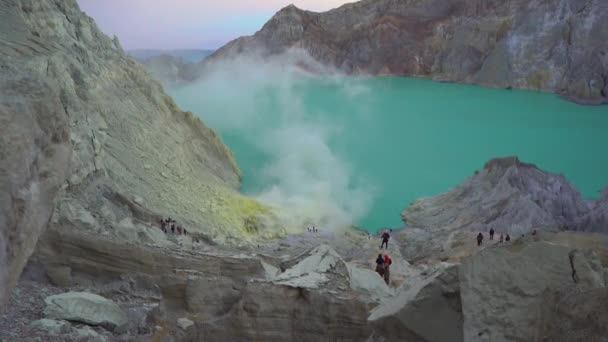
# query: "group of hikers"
{"points": [[383, 264], [170, 224], [312, 229], [502, 237]]}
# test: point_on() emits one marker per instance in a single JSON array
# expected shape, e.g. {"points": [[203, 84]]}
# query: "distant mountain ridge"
{"points": [[550, 45], [186, 55]]}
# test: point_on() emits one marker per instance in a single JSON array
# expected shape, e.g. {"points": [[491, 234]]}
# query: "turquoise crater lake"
{"points": [[406, 138]]}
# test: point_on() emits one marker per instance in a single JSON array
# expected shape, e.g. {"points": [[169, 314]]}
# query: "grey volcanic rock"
{"points": [[86, 308], [597, 219], [506, 290], [429, 307], [550, 45], [576, 316], [505, 194], [89, 139]]}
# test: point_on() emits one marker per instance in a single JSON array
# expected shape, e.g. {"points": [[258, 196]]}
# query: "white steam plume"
{"points": [[304, 176]]}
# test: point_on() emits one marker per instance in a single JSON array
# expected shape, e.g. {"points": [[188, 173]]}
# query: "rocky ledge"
{"points": [[558, 46]]}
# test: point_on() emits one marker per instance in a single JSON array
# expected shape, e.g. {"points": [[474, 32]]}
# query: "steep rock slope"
{"points": [[511, 292], [505, 194], [597, 219], [551, 45], [88, 134], [508, 195]]}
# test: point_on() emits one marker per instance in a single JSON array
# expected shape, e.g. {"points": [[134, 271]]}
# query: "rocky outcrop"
{"points": [[507, 292], [86, 308], [597, 218], [508, 195], [434, 294], [89, 139], [554, 45]]}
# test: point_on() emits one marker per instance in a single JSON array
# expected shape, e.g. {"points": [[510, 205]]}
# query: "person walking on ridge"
{"points": [[385, 238], [491, 233], [380, 265], [479, 239], [387, 271]]}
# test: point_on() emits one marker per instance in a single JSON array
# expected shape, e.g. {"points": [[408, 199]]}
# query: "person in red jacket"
{"points": [[387, 271]]}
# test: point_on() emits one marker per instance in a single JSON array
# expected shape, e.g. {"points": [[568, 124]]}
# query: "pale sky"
{"points": [[185, 24]]}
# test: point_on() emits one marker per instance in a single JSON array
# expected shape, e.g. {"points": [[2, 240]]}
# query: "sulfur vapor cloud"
{"points": [[262, 102]]}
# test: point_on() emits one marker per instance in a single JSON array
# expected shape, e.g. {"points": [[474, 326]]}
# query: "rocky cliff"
{"points": [[555, 45], [508, 195], [90, 142]]}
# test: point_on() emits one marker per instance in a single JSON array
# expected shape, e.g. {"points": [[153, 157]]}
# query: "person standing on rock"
{"points": [[491, 233], [380, 265], [387, 271], [385, 238], [479, 239]]}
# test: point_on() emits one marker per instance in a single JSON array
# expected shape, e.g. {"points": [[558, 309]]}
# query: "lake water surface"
{"points": [[397, 139]]}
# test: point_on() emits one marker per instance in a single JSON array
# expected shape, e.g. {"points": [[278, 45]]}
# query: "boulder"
{"points": [[86, 308], [89, 335], [503, 289], [51, 326], [184, 323], [322, 265], [407, 315]]}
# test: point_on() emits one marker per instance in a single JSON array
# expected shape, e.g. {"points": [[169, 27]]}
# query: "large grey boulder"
{"points": [[51, 326], [504, 289], [86, 308]]}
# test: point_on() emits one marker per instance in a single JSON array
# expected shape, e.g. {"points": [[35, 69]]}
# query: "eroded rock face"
{"points": [[91, 140], [597, 218], [504, 289], [508, 195], [548, 45]]}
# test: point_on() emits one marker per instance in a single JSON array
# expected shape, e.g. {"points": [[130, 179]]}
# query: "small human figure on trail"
{"points": [[380, 265], [387, 272], [173, 228], [534, 232], [508, 238], [491, 233], [479, 239], [502, 238], [185, 231], [385, 238]]}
